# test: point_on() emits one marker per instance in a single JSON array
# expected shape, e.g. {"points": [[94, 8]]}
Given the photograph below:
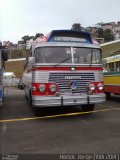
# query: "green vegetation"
{"points": [[27, 37], [14, 54], [106, 34]]}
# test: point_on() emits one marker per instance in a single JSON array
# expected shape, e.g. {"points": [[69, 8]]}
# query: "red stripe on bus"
{"points": [[66, 68], [112, 89]]}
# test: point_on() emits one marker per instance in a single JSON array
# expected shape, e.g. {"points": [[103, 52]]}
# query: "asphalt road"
{"points": [[58, 130]]}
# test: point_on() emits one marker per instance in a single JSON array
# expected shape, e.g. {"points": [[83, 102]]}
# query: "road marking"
{"points": [[115, 108], [54, 116], [4, 128]]}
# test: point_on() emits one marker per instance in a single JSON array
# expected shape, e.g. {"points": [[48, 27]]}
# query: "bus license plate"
{"points": [[65, 91]]}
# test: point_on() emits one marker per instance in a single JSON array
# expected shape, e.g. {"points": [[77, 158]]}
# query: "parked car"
{"points": [[10, 79], [21, 84]]}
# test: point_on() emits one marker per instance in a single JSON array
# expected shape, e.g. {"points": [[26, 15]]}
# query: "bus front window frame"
{"points": [[83, 56]]}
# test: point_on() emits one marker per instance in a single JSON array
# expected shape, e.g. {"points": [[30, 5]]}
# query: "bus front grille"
{"points": [[63, 79]]}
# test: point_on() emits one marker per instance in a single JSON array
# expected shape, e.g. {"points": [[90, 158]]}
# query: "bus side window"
{"points": [[117, 66], [111, 67]]}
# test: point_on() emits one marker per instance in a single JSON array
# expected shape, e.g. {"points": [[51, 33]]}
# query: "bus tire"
{"points": [[108, 96], [87, 108], [30, 98], [26, 97], [39, 111]]}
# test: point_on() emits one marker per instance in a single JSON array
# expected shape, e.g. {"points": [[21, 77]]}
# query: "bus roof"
{"points": [[66, 36], [111, 59], [76, 38], [70, 36]]}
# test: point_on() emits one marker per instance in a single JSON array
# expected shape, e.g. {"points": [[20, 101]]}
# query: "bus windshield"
{"points": [[74, 55]]}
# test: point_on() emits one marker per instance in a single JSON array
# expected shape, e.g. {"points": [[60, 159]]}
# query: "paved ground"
{"points": [[98, 132]]}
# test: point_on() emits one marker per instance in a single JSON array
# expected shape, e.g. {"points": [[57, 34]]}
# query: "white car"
{"points": [[10, 79]]}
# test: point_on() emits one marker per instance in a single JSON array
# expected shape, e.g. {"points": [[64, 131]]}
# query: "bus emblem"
{"points": [[73, 84]]}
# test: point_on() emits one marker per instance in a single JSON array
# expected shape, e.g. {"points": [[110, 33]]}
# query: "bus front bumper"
{"points": [[45, 101]]}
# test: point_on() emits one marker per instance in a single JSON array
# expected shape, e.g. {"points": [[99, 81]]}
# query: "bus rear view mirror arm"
{"points": [[31, 60]]}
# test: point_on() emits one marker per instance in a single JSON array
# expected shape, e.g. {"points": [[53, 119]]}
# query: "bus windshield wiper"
{"points": [[62, 61]]}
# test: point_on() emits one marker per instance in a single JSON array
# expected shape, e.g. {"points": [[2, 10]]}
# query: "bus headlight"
{"points": [[42, 88], [100, 86], [53, 88], [91, 87]]}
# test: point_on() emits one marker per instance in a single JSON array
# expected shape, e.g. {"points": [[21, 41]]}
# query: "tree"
{"points": [[26, 38], [31, 37], [100, 33], [77, 26], [108, 35], [38, 35]]}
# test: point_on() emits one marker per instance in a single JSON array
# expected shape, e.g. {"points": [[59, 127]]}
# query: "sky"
{"points": [[28, 17]]}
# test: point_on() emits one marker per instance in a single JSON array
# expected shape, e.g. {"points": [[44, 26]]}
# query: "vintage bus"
{"points": [[64, 69], [112, 75]]}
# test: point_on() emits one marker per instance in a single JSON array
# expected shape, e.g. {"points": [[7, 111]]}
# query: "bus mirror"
{"points": [[31, 60], [104, 61], [5, 54]]}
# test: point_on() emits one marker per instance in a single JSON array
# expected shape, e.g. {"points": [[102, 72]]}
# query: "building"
{"points": [[9, 45], [21, 45], [105, 26]]}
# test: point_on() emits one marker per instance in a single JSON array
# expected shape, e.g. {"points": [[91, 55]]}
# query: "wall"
{"points": [[15, 66]]}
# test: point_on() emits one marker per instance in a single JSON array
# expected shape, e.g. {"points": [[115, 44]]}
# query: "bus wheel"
{"points": [[87, 108], [25, 90], [30, 98], [39, 111], [26, 97], [108, 95]]}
